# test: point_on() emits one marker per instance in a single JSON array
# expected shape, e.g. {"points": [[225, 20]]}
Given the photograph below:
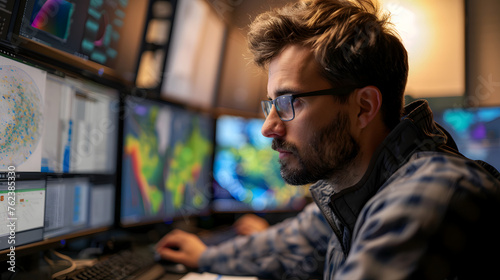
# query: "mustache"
{"points": [[283, 145]]}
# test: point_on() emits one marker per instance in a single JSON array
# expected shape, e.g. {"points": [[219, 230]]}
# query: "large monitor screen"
{"points": [[167, 153], [102, 37], [56, 125], [194, 56], [52, 125], [81, 127], [476, 131], [246, 170]]}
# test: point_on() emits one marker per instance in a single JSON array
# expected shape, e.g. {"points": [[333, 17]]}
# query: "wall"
{"points": [[242, 83], [483, 60], [241, 87]]}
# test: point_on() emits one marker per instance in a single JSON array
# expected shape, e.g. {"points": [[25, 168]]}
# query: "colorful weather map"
{"points": [[166, 162], [21, 120], [246, 170], [185, 168]]}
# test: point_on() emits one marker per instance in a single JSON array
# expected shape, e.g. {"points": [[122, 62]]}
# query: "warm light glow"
{"points": [[433, 34], [413, 30]]}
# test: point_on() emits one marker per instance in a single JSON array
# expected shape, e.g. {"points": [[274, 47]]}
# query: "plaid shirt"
{"points": [[422, 211]]}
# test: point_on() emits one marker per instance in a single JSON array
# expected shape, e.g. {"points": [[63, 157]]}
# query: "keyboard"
{"points": [[122, 265]]}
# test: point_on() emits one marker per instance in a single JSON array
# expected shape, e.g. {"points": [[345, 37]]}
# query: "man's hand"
{"points": [[181, 247], [250, 224]]}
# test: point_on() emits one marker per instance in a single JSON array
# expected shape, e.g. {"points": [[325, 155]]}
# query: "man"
{"points": [[395, 199]]}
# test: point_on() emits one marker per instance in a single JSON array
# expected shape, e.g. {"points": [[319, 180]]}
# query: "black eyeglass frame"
{"points": [[330, 91]]}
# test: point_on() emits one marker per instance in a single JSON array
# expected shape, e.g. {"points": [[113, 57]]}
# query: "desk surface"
{"points": [[158, 272]]}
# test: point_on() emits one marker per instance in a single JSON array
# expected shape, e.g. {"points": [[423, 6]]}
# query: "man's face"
{"points": [[317, 143]]}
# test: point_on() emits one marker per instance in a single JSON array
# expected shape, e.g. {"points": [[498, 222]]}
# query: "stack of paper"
{"points": [[211, 276]]}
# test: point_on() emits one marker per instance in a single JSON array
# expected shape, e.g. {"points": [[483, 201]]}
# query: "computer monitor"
{"points": [[246, 170], [58, 143], [476, 131], [100, 38], [54, 124], [166, 166], [22, 208], [195, 52], [51, 209], [81, 127]]}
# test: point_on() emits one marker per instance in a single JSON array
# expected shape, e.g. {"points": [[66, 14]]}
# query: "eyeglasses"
{"points": [[284, 103]]}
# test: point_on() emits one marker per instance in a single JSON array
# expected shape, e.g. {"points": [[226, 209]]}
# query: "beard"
{"points": [[328, 155]]}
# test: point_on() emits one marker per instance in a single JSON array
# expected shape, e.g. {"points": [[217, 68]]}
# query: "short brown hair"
{"points": [[353, 44]]}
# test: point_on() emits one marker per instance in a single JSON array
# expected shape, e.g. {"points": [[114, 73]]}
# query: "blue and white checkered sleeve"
{"points": [[395, 226], [295, 247]]}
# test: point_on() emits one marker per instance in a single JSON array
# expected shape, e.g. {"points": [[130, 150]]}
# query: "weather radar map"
{"points": [[166, 162], [246, 170], [21, 120]]}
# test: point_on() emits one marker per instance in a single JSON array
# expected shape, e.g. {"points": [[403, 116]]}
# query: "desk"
{"points": [[170, 276], [157, 272]]}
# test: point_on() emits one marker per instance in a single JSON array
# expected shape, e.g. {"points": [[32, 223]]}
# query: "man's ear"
{"points": [[369, 101]]}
